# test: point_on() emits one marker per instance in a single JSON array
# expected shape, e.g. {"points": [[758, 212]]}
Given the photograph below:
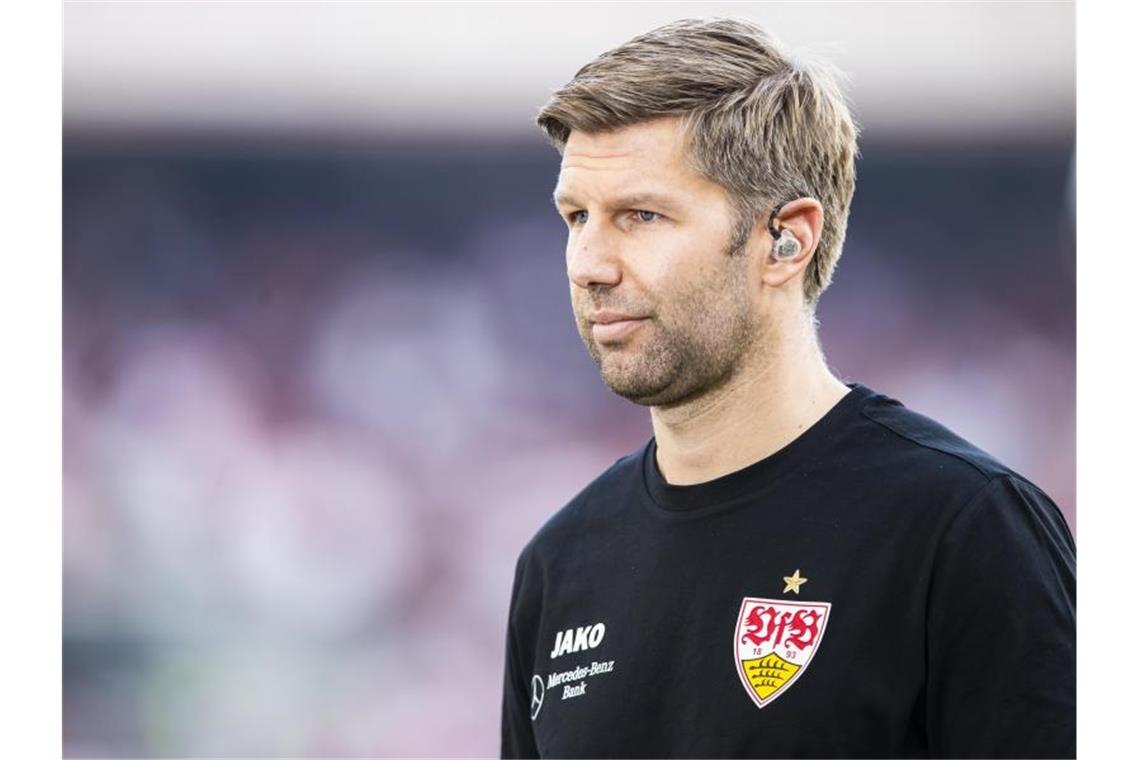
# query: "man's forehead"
{"points": [[656, 141], [636, 161]]}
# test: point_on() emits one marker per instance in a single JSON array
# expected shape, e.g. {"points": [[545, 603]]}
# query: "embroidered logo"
{"points": [[583, 638], [537, 692], [774, 643], [793, 582], [574, 678]]}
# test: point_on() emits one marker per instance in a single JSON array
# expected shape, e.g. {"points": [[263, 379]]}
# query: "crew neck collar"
{"points": [[689, 501]]}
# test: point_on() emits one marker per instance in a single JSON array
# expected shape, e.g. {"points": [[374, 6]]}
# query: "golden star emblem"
{"points": [[794, 582]]}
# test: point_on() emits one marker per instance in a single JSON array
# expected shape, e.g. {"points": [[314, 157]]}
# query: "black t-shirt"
{"points": [[877, 588]]}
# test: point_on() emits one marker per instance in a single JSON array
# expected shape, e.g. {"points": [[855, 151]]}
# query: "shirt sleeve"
{"points": [[517, 731], [1001, 629]]}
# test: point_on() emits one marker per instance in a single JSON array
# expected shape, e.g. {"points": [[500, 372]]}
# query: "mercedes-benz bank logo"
{"points": [[536, 693]]}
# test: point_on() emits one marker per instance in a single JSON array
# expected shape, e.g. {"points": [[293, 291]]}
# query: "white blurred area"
{"points": [[441, 69]]}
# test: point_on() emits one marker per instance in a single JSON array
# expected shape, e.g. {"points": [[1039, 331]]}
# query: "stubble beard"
{"points": [[696, 346]]}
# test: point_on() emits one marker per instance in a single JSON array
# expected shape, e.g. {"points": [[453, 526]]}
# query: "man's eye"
{"points": [[574, 218], [647, 216]]}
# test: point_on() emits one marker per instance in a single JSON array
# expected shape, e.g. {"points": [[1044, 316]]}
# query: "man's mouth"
{"points": [[616, 330]]}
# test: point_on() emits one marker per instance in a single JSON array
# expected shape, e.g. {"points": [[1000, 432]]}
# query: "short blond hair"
{"points": [[766, 128]]}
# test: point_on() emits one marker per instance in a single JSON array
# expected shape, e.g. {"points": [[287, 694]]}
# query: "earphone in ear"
{"points": [[786, 246]]}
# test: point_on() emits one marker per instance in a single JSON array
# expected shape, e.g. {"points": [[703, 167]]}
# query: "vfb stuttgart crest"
{"points": [[775, 641]]}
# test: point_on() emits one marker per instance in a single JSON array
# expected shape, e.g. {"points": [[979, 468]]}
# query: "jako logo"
{"points": [[575, 640]]}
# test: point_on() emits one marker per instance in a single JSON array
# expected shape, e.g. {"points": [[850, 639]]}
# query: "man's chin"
{"points": [[639, 391], [631, 385]]}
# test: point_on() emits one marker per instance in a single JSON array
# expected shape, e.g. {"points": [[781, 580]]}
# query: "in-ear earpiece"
{"points": [[786, 246], [784, 243]]}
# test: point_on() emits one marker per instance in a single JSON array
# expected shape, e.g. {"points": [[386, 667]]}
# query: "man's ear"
{"points": [[803, 218]]}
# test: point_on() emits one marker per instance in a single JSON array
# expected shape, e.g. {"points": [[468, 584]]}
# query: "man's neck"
{"points": [[776, 397]]}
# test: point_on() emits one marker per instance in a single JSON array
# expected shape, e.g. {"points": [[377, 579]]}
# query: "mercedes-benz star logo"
{"points": [[536, 692]]}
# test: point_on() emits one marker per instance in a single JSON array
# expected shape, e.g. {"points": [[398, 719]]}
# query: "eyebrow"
{"points": [[625, 201]]}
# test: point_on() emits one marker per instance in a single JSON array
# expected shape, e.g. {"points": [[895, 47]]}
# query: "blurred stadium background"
{"points": [[321, 380]]}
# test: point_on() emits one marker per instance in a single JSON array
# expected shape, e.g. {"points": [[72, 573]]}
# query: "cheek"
{"points": [[708, 295], [687, 268], [670, 261]]}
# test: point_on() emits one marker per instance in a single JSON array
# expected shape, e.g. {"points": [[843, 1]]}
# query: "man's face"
{"points": [[648, 238]]}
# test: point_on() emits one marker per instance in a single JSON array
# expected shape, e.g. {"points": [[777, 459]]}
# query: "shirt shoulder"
{"points": [[929, 439], [911, 453], [911, 436], [937, 467]]}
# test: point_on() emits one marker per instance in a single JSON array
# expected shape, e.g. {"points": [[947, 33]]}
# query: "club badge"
{"points": [[774, 644]]}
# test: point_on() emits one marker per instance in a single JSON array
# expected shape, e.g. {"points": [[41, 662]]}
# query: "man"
{"points": [[791, 565]]}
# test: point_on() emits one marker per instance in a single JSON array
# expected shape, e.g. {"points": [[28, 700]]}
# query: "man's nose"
{"points": [[592, 256]]}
